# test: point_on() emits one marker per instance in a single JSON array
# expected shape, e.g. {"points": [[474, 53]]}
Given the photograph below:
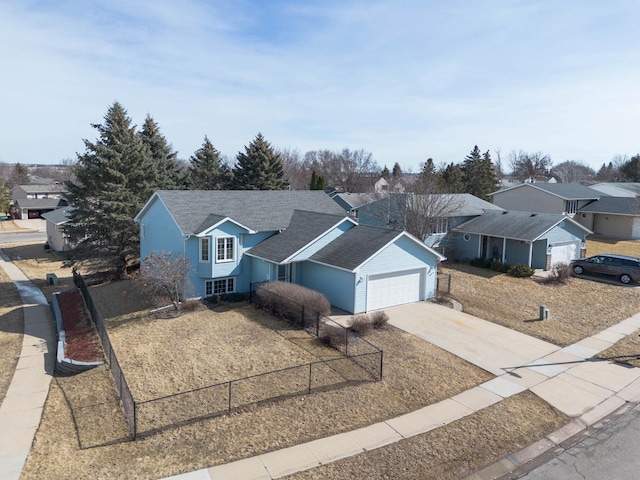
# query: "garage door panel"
{"points": [[393, 289], [564, 253]]}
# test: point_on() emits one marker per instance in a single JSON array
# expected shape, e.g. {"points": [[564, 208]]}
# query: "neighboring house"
{"points": [[370, 183], [351, 202], [618, 189], [236, 238], [538, 240], [449, 210], [560, 198], [616, 217], [55, 219], [31, 201]]}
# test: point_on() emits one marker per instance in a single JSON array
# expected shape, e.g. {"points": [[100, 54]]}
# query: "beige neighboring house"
{"points": [[55, 219], [33, 200]]}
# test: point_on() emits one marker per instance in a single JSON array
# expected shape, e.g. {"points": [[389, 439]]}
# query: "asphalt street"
{"points": [[611, 453]]}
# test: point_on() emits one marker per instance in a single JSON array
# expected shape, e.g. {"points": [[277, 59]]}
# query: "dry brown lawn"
{"points": [[11, 330], [596, 245], [36, 262]]}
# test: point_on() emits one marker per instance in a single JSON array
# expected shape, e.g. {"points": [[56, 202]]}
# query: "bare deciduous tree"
{"points": [[572, 171], [529, 166], [296, 168], [345, 170], [166, 276]]}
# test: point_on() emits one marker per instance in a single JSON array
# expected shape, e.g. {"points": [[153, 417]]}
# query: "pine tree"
{"points": [[5, 197], [478, 174], [259, 167], [19, 176], [396, 173], [113, 180], [451, 179], [317, 181], [386, 174], [206, 170], [165, 159]]}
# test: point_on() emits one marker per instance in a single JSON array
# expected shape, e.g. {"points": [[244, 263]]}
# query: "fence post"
{"points": [[229, 397], [317, 324], [309, 378], [302, 318], [346, 342], [135, 420], [381, 353]]}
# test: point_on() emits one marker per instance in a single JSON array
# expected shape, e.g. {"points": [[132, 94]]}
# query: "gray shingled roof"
{"points": [[355, 246], [614, 206], [43, 188], [355, 200], [303, 228], [259, 210], [526, 226], [467, 205], [58, 216], [566, 191], [36, 203]]}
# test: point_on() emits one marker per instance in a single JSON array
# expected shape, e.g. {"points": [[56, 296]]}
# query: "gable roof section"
{"points": [[257, 210], [58, 216], [614, 206], [627, 188], [354, 200], [566, 191], [40, 202], [359, 244], [525, 226], [467, 205], [305, 227]]}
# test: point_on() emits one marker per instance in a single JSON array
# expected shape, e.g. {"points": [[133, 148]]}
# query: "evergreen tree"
{"points": [[165, 159], [207, 171], [396, 173], [386, 174], [259, 167], [630, 170], [113, 180], [19, 176], [5, 197], [451, 179], [478, 174], [317, 181]]}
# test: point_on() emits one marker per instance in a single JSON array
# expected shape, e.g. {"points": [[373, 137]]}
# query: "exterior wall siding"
{"points": [[616, 226], [465, 249], [159, 233], [539, 255], [526, 197], [337, 285], [517, 252]]}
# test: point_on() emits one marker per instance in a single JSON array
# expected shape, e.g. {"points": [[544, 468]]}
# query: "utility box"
{"points": [[52, 279], [544, 313]]}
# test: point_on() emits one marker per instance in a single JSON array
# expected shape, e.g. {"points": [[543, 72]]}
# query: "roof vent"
{"points": [[533, 214], [505, 212]]}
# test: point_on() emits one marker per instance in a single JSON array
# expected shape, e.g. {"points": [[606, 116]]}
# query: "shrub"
{"points": [[499, 267], [333, 335], [287, 300], [560, 273], [361, 324], [521, 271], [379, 319], [480, 262], [191, 305]]}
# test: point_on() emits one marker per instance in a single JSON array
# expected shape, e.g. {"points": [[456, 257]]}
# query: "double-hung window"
{"points": [[225, 249], [204, 249]]}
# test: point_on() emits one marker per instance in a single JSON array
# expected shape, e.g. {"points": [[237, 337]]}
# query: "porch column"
{"points": [[530, 253], [504, 249]]}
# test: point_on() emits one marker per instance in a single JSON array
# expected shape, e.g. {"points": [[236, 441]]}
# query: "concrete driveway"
{"points": [[490, 346]]}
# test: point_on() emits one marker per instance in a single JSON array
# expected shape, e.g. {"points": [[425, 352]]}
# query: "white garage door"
{"points": [[564, 253], [393, 289]]}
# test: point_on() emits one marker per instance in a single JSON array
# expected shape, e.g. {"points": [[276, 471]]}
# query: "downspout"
{"points": [[504, 249], [530, 253]]}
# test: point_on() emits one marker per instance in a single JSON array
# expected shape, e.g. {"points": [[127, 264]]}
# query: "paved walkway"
{"points": [[568, 378], [21, 409]]}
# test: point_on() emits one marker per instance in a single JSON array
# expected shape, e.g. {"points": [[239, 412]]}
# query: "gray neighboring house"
{"points": [[55, 219], [618, 189], [615, 217], [539, 240], [351, 202], [560, 198], [33, 200]]}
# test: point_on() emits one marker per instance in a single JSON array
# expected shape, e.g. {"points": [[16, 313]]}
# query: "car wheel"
{"points": [[578, 270], [625, 278]]}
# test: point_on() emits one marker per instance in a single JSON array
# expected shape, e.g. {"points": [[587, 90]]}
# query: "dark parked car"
{"points": [[626, 269]]}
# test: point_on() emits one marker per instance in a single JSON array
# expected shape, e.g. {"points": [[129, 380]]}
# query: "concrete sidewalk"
{"points": [[586, 389], [21, 409]]}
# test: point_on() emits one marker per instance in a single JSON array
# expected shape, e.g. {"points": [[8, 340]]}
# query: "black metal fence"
{"points": [[443, 284], [362, 362]]}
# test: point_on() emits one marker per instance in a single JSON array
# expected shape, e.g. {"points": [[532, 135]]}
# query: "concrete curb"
{"points": [[518, 464]]}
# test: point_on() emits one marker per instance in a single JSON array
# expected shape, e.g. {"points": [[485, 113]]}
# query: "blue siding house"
{"points": [[538, 240], [235, 238]]}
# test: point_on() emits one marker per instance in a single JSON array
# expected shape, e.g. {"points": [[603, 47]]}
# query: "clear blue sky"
{"points": [[405, 80]]}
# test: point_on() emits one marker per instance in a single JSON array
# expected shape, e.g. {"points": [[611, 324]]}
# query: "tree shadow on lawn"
{"points": [[466, 268]]}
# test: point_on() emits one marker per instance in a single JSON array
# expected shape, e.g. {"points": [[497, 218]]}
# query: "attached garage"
{"points": [[564, 253], [394, 288]]}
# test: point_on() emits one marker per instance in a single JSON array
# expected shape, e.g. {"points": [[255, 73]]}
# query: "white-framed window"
{"points": [[440, 225], [572, 207], [204, 249], [219, 286], [225, 249]]}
